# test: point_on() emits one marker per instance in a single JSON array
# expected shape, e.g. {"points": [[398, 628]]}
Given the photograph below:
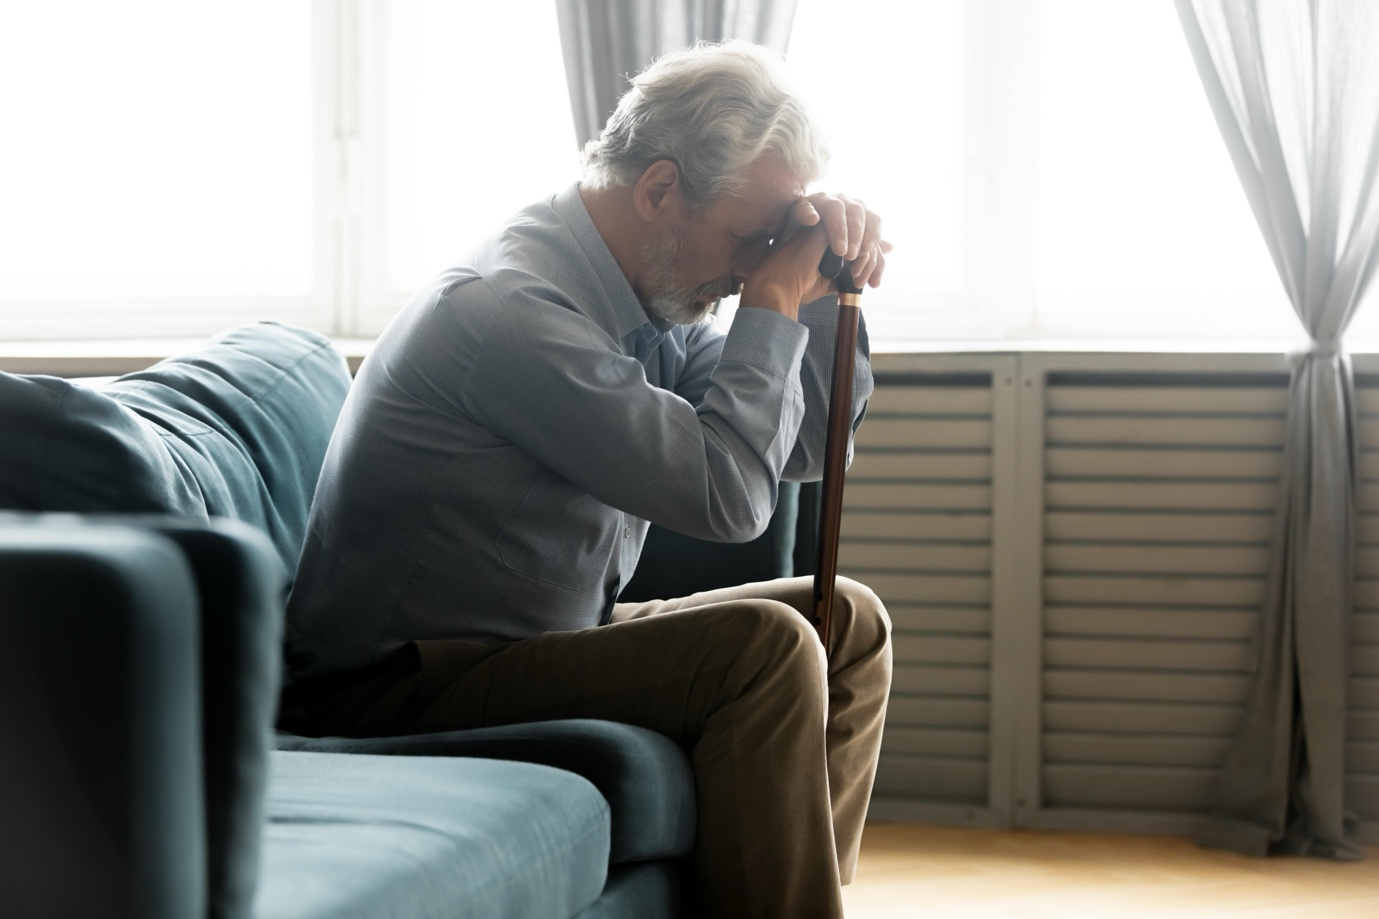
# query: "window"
{"points": [[469, 132], [1046, 170], [1144, 230], [883, 142], [157, 171], [186, 167]]}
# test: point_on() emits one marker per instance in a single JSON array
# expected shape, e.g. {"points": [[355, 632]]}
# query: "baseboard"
{"points": [[901, 810]]}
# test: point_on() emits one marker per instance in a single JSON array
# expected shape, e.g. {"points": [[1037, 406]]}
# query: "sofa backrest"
{"points": [[237, 428]]}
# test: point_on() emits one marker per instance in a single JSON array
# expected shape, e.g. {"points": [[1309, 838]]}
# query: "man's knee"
{"points": [[781, 632], [865, 608]]}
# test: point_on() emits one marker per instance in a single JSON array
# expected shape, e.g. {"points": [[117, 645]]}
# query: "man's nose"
{"points": [[749, 257]]}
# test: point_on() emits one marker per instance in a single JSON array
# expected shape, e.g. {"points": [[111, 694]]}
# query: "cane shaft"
{"points": [[835, 461]]}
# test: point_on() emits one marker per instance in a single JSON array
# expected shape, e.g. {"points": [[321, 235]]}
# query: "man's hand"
{"points": [[789, 275], [853, 231]]}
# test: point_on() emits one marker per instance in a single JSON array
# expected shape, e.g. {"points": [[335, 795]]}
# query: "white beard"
{"points": [[669, 302]]}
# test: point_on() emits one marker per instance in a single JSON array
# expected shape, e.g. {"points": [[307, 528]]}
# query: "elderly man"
{"points": [[489, 485]]}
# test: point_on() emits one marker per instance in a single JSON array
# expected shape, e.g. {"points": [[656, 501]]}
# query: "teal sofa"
{"points": [[150, 533]]}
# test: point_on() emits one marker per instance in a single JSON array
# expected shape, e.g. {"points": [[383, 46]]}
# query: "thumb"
{"points": [[804, 213]]}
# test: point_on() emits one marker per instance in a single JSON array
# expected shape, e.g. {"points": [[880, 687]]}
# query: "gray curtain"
{"points": [[1294, 85], [606, 41]]}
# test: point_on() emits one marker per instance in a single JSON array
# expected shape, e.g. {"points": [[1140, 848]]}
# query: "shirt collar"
{"points": [[619, 312]]}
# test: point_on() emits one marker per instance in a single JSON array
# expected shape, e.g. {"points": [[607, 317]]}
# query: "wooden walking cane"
{"points": [[836, 445]]}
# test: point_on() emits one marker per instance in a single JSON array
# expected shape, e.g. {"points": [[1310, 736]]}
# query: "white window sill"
{"points": [[112, 357]]}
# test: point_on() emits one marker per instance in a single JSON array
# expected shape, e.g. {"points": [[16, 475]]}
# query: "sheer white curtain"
{"points": [[1294, 85]]}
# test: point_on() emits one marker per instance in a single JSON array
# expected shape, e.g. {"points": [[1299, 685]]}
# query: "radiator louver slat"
{"points": [[1239, 625], [1152, 526], [1166, 399], [917, 530], [1156, 687], [1113, 749], [1148, 659], [1092, 464], [1158, 559], [1091, 714], [860, 524], [966, 559], [1180, 431], [1173, 495], [1159, 498], [1154, 591]]}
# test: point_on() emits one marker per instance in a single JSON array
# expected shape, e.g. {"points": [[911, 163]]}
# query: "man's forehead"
{"points": [[769, 192], [774, 178]]}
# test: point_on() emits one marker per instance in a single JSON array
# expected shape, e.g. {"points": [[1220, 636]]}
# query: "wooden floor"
{"points": [[914, 871]]}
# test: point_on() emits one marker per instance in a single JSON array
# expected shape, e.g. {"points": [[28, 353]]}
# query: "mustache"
{"points": [[724, 287]]}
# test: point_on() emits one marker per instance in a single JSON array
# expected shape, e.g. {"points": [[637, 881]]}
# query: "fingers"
{"points": [[868, 236], [852, 229], [875, 279], [867, 267], [864, 266], [842, 220], [872, 249], [804, 213]]}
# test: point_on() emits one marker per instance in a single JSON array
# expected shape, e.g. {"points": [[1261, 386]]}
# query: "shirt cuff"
{"points": [[766, 339]]}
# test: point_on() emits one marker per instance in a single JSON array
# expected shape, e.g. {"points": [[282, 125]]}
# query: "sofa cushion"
{"points": [[236, 429], [387, 837], [645, 777]]}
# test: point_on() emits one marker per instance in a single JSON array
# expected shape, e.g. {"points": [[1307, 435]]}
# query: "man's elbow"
{"points": [[743, 523]]}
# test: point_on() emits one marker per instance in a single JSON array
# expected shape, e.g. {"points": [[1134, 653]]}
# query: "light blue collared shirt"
{"points": [[516, 426]]}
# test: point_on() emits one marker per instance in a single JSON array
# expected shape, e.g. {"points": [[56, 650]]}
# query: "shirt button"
{"points": [[627, 532]]}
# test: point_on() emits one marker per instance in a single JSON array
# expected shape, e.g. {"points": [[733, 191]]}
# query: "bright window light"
{"points": [[1045, 170], [888, 81], [1059, 176], [478, 125], [1144, 230], [155, 149]]}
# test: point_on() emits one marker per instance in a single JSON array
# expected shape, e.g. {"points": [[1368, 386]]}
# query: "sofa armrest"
{"points": [[99, 726], [240, 588]]}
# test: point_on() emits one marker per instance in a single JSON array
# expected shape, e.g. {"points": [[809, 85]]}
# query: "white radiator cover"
{"points": [[917, 530], [1073, 550]]}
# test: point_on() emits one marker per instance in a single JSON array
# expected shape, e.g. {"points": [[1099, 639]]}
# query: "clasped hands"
{"points": [[789, 274]]}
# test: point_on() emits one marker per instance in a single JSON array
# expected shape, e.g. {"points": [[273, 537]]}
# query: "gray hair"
{"points": [[712, 109]]}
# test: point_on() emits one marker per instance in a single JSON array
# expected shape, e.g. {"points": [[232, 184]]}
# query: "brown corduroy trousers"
{"points": [[783, 742]]}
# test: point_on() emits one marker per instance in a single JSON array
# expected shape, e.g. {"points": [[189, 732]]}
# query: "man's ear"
{"points": [[657, 193]]}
